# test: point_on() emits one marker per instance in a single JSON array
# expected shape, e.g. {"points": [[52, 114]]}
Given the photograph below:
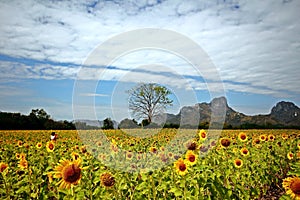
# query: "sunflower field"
{"points": [[150, 164]]}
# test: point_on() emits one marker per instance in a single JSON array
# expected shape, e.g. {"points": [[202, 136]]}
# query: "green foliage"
{"points": [[148, 100], [38, 119], [108, 124]]}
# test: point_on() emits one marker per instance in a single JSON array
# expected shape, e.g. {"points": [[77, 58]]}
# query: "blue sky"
{"points": [[254, 46]]}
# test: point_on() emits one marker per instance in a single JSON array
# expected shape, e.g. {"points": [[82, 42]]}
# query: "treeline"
{"points": [[38, 119]]}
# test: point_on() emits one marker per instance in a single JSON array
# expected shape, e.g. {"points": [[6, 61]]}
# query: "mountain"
{"points": [[283, 114]]}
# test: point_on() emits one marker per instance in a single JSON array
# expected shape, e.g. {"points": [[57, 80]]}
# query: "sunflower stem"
{"points": [[153, 187], [6, 188]]}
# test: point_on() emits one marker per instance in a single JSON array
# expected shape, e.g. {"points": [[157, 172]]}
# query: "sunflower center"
{"points": [[295, 186], [2, 167], [245, 151], [203, 135], [107, 180], [72, 173], [51, 146], [238, 163], [182, 167], [243, 137], [192, 158], [225, 142]]}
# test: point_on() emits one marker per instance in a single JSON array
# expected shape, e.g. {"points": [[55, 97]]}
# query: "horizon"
{"points": [[118, 121], [46, 46]]}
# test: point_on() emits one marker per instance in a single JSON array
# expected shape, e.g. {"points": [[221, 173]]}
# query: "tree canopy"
{"points": [[148, 100]]}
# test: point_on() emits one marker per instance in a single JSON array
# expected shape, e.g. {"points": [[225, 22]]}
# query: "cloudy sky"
{"points": [[254, 47]]}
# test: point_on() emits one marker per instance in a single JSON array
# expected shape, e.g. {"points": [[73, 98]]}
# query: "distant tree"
{"points": [[148, 100], [40, 114], [108, 124], [145, 122]]}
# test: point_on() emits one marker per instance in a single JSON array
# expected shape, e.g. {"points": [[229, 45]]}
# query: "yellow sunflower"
{"points": [[22, 156], [129, 155], [153, 150], [202, 135], [290, 155], [23, 164], [75, 156], [50, 146], [181, 167], [238, 163], [69, 171], [3, 166], [191, 145], [114, 148], [107, 180], [284, 136], [263, 137], [38, 145], [298, 145], [244, 151], [191, 157], [20, 143], [18, 156], [292, 187], [271, 137], [242, 136]]}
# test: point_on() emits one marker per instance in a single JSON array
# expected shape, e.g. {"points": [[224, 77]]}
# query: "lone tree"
{"points": [[147, 100]]}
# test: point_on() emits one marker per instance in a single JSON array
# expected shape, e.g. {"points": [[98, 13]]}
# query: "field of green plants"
{"points": [[149, 164]]}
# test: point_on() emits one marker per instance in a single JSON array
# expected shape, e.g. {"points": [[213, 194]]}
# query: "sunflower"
{"points": [[290, 155], [238, 163], [22, 156], [3, 166], [263, 137], [114, 148], [50, 146], [284, 136], [202, 135], [18, 156], [191, 145], [271, 137], [225, 142], [292, 187], [23, 164], [242, 136], [163, 157], [244, 151], [75, 156], [83, 149], [255, 141], [181, 167], [153, 149], [107, 180], [69, 171], [20, 143], [38, 145], [298, 145], [129, 155], [191, 157]]}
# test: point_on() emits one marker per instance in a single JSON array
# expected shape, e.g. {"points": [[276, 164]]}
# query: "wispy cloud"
{"points": [[94, 95], [254, 44]]}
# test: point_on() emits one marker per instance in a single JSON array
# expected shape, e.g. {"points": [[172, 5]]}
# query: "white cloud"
{"points": [[255, 43], [94, 95]]}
